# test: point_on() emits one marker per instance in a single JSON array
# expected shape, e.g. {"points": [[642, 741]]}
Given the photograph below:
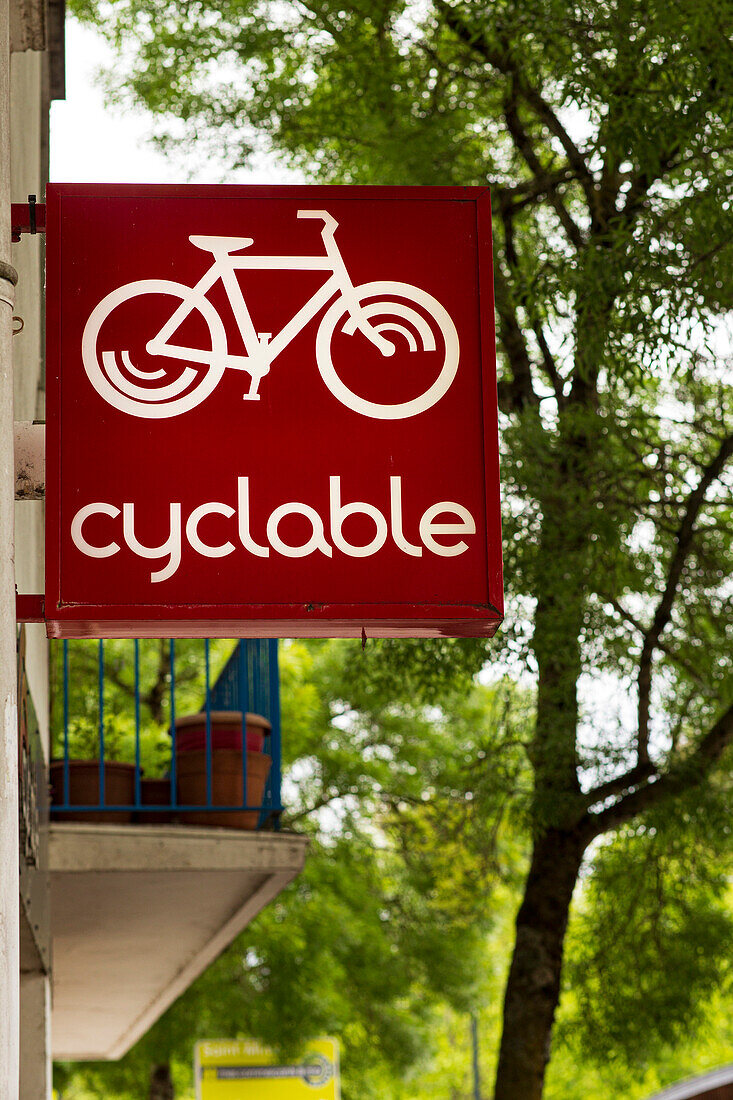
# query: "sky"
{"points": [[94, 143], [90, 142]]}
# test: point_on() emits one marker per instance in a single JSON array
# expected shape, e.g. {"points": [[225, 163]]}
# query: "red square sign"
{"points": [[271, 411]]}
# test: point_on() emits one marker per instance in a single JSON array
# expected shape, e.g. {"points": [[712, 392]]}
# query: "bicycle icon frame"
{"points": [[405, 306], [263, 348]]}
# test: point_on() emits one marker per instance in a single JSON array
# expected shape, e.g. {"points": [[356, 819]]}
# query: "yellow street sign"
{"points": [[244, 1069]]}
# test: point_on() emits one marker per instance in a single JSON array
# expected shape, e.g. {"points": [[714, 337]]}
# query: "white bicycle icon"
{"points": [[386, 312]]}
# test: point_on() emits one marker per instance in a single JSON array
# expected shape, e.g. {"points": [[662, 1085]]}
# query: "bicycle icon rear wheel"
{"points": [[399, 312], [141, 385]]}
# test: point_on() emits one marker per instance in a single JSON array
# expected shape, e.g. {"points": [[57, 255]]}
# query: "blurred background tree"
{"points": [[603, 130], [414, 856]]}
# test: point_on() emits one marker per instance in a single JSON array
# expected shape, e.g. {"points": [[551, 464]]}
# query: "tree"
{"points": [[603, 130], [387, 927]]}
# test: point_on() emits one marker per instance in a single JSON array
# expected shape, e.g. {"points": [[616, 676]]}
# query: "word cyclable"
{"points": [[448, 520]]}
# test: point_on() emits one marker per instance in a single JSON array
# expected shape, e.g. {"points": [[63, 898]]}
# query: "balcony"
{"points": [[125, 752], [169, 845]]}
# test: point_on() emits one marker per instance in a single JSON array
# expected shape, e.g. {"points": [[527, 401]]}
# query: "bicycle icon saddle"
{"points": [[221, 244]]}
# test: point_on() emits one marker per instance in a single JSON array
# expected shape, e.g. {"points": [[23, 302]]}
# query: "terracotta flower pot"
{"points": [[226, 731], [226, 786], [119, 789], [155, 792]]}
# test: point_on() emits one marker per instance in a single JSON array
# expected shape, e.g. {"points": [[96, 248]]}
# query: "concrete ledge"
{"points": [[139, 911], [76, 848]]}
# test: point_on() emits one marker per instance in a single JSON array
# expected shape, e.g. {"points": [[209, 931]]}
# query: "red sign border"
{"points": [[64, 620]]}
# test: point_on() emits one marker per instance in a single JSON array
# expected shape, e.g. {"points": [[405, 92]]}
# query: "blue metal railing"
{"points": [[248, 682]]}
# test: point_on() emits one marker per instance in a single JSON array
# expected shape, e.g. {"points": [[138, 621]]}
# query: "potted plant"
{"points": [[155, 784], [85, 773], [226, 767], [155, 791]]}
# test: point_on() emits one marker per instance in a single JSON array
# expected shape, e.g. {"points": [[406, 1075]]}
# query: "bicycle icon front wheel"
{"points": [[418, 330], [123, 371]]}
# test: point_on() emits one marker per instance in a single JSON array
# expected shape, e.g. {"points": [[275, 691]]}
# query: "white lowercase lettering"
{"points": [[447, 519]]}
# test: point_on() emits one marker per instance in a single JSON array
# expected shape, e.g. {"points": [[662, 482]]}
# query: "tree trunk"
{"points": [[533, 987], [161, 1083]]}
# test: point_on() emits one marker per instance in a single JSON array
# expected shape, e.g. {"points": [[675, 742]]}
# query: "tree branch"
{"points": [[319, 804], [507, 211], [528, 191], [524, 147], [548, 360], [669, 159], [620, 784], [575, 158], [503, 61], [519, 393], [637, 193], [662, 615], [674, 657], [685, 775]]}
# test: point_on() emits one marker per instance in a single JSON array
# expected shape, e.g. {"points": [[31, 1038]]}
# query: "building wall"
{"points": [[28, 128], [29, 85]]}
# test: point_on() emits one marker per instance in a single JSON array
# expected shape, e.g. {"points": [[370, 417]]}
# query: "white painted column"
{"points": [[9, 884], [35, 1037]]}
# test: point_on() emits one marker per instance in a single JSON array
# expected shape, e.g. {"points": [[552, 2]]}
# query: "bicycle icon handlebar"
{"points": [[166, 378]]}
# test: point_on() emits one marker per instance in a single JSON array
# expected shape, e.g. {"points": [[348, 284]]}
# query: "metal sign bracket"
{"points": [[27, 217]]}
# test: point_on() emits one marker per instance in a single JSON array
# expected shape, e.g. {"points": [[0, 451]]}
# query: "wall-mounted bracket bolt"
{"points": [[27, 217]]}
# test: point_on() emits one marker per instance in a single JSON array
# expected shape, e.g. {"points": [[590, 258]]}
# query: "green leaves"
{"points": [[648, 945], [413, 811], [603, 129], [118, 710]]}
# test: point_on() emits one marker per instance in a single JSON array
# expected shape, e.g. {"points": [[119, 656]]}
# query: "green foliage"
{"points": [[414, 856], [603, 132], [656, 907], [603, 129], [118, 705]]}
